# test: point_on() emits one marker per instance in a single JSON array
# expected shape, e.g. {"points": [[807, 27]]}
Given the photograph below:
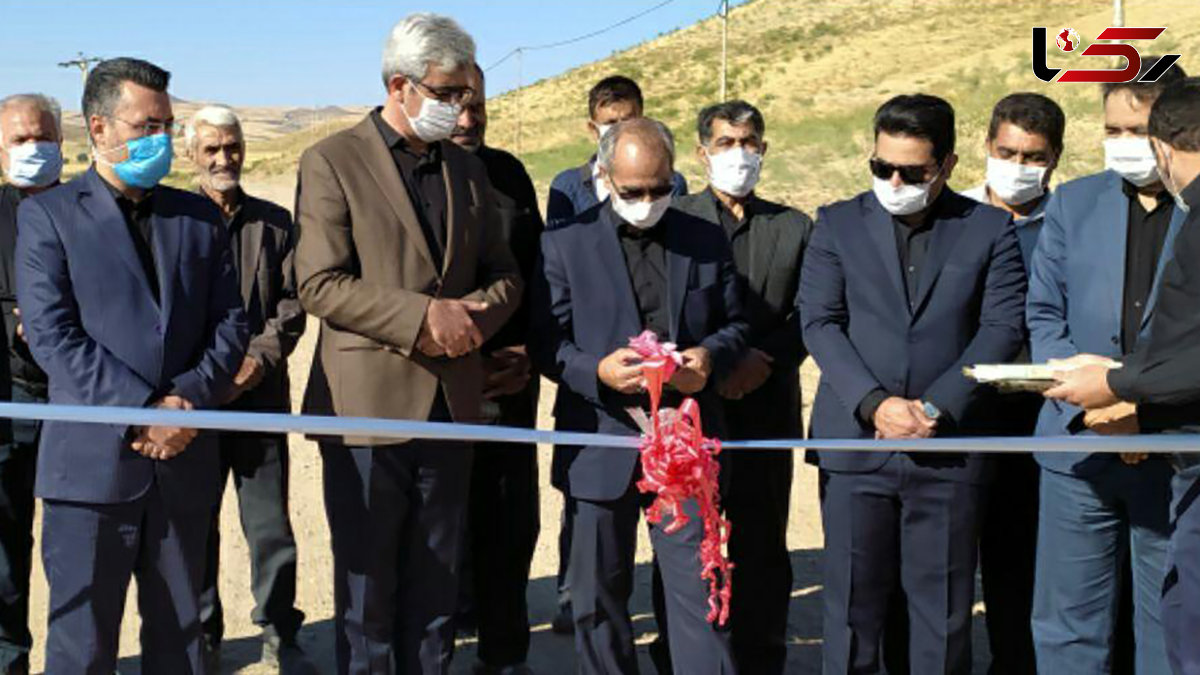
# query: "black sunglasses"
{"points": [[909, 174], [653, 192]]}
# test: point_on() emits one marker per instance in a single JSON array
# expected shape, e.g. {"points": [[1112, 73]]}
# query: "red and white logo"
{"points": [[1068, 40]]}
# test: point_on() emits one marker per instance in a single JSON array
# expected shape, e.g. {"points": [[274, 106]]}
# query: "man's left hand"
{"points": [[249, 376], [1116, 420], [507, 371], [1085, 386], [692, 376]]}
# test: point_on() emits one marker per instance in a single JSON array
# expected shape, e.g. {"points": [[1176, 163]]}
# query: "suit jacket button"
{"points": [[1116, 340]]}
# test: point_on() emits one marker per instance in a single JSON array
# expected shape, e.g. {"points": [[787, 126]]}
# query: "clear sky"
{"points": [[301, 52]]}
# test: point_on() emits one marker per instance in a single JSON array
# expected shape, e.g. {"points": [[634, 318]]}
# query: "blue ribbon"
{"points": [[317, 425]]}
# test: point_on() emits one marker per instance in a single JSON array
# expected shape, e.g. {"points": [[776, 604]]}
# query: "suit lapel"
{"points": [[456, 206], [941, 243], [612, 261], [251, 254], [883, 234], [102, 207], [763, 237], [1111, 215], [378, 159], [679, 267], [168, 240], [1168, 250]]}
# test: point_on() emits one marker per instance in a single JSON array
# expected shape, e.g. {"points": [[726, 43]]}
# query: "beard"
{"points": [[221, 182]]}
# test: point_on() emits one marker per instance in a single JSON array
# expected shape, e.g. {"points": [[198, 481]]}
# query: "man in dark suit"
{"points": [[630, 265], [612, 100], [31, 158], [399, 254], [129, 298], [503, 521], [1093, 290], [260, 235], [1160, 376], [762, 394], [901, 287]]}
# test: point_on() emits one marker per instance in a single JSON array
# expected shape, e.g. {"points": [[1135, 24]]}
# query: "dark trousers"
{"points": [[503, 534], [1181, 592], [396, 517], [90, 552], [900, 531], [757, 507], [1007, 559], [601, 579], [259, 464], [18, 461]]}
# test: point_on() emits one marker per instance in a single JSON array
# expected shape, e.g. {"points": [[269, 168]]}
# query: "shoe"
{"points": [[482, 668], [210, 652], [287, 656], [564, 621]]}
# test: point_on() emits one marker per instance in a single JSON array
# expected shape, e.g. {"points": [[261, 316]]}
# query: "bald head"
{"points": [[637, 156]]}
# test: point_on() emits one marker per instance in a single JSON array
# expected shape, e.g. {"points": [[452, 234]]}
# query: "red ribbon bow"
{"points": [[680, 464]]}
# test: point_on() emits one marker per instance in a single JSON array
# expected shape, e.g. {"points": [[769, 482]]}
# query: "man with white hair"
{"points": [[398, 254], [261, 239], [31, 159]]}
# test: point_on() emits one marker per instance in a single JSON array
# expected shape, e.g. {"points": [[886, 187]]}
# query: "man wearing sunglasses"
{"points": [[901, 287], [633, 264]]}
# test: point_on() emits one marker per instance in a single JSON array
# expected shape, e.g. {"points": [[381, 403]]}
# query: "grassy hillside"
{"points": [[817, 68]]}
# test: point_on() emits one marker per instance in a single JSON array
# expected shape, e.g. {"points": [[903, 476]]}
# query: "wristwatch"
{"points": [[931, 411]]}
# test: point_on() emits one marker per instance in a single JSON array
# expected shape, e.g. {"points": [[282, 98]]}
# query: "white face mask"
{"points": [[904, 200], [1015, 183], [641, 214], [1167, 180], [34, 165], [735, 171], [436, 121], [601, 129], [1131, 157]]}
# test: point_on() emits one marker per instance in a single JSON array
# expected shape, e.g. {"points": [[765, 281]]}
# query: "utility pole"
{"points": [[725, 46], [83, 63]]}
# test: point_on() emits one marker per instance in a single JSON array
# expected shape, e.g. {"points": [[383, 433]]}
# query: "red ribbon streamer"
{"points": [[678, 464]]}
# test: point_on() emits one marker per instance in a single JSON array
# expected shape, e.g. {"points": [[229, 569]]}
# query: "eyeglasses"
{"points": [[910, 174], [640, 194], [150, 128], [455, 95]]}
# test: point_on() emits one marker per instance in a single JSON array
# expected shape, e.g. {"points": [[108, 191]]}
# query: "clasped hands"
{"points": [[449, 328], [165, 442]]}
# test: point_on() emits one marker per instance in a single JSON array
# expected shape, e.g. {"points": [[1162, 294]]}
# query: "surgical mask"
{"points": [[1131, 157], [436, 120], [34, 165], [601, 129], [640, 214], [1015, 183], [1174, 190], [735, 171], [149, 161], [904, 200]]}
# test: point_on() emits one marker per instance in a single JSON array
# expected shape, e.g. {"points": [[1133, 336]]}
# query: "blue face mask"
{"points": [[34, 165], [149, 161]]}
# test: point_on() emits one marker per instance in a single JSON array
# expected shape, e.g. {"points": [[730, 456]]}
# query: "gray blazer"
{"points": [[264, 246]]}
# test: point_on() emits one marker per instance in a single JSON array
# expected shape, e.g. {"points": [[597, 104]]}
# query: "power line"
{"points": [[563, 43]]}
